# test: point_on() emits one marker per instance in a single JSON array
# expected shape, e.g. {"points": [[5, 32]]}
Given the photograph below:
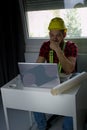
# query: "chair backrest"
{"points": [[82, 62]]}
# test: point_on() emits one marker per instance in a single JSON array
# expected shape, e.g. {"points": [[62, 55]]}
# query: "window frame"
{"points": [[24, 19]]}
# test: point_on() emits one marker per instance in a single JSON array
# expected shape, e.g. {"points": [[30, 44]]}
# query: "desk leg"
{"points": [[30, 119], [74, 123], [75, 117], [6, 117], [79, 120]]}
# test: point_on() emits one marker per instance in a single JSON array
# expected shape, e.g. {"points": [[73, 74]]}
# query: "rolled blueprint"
{"points": [[69, 84]]}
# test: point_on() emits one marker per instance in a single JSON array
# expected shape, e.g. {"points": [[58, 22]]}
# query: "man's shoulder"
{"points": [[71, 43], [46, 44]]}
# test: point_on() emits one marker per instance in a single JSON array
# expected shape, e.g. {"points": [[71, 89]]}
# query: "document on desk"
{"points": [[43, 75]]}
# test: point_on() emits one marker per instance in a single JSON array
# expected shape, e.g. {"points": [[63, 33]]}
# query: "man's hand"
{"points": [[54, 45]]}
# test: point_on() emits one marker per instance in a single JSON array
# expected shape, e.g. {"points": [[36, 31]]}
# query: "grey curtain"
{"points": [[12, 43]]}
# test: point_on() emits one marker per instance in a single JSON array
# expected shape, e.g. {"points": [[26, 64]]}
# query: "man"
{"points": [[56, 50]]}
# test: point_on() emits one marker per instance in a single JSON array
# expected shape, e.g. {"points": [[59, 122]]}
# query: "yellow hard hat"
{"points": [[57, 23]]}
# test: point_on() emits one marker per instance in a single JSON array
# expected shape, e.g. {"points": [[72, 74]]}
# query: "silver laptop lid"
{"points": [[39, 74]]}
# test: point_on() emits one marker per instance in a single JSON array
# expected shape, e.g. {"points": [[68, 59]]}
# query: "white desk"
{"points": [[72, 103]]}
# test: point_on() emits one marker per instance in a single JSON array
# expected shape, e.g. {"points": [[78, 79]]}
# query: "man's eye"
{"points": [[57, 35]]}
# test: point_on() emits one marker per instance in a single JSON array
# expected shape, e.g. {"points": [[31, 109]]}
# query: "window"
{"points": [[75, 20]]}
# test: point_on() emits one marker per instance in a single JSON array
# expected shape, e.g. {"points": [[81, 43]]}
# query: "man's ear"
{"points": [[64, 34]]}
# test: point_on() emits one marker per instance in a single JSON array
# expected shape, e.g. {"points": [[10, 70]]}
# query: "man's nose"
{"points": [[55, 38]]}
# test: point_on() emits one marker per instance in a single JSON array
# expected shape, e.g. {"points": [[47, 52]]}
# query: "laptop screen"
{"points": [[38, 74]]}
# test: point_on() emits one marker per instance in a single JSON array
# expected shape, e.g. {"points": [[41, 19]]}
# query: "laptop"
{"points": [[44, 75]]}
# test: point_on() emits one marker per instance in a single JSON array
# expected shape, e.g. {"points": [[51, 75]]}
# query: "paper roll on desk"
{"points": [[69, 84]]}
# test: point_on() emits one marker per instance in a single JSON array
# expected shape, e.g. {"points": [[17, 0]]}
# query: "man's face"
{"points": [[56, 36]]}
